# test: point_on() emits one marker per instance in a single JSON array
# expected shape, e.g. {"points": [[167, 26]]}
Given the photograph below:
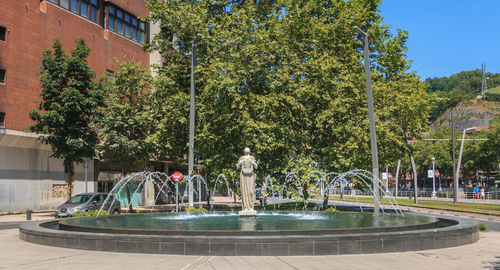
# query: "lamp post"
{"points": [[457, 171], [371, 117], [433, 178], [191, 119], [86, 177]]}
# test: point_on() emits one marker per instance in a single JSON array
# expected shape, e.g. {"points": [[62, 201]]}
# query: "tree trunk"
{"points": [[208, 198], [130, 207], [325, 200], [69, 174]]}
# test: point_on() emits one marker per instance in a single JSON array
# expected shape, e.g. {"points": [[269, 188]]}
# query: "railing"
{"points": [[446, 194]]}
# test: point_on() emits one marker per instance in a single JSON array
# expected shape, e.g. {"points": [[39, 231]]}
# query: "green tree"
{"points": [[125, 126], [70, 102], [284, 78]]}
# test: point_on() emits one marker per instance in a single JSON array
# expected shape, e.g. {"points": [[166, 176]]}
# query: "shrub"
{"points": [[482, 227], [331, 209], [92, 213], [194, 209]]}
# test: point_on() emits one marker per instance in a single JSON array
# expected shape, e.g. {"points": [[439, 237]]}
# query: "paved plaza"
{"points": [[17, 254]]}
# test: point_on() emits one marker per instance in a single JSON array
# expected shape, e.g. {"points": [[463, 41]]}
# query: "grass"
{"points": [[495, 90], [481, 208], [289, 206]]}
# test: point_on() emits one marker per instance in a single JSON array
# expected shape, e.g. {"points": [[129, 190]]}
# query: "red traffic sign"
{"points": [[436, 173], [177, 177]]}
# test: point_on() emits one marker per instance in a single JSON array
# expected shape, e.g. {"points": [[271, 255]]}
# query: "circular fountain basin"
{"points": [[276, 233], [274, 223]]}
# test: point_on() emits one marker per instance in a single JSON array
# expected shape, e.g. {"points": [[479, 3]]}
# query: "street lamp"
{"points": [[371, 117], [191, 119], [433, 178]]}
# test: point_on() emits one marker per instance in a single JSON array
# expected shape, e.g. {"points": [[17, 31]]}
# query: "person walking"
{"points": [[476, 192], [483, 197]]}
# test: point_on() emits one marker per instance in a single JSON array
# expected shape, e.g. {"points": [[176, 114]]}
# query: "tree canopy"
{"points": [[285, 78], [126, 122], [70, 103]]}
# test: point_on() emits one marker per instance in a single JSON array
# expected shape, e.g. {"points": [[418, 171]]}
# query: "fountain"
{"points": [[276, 232]]}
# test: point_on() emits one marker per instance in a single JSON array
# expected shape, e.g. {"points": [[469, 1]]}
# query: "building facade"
{"points": [[29, 177]]}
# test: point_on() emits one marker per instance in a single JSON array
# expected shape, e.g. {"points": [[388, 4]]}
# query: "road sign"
{"points": [[384, 176], [344, 182], [430, 173], [437, 174], [177, 177]]}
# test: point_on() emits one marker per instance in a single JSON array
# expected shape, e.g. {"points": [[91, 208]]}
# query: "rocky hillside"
{"points": [[470, 114]]}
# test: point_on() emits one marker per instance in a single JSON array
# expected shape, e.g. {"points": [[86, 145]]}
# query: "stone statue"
{"points": [[247, 183]]}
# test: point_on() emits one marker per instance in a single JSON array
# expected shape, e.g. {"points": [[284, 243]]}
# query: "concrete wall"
{"points": [[28, 175]]}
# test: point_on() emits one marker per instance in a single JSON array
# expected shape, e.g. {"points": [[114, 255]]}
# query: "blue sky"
{"points": [[447, 36]]}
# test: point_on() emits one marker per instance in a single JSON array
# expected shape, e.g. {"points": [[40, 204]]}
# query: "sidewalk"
{"points": [[17, 254], [46, 215]]}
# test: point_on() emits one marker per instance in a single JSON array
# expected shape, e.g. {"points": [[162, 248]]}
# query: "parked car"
{"points": [[87, 202]]}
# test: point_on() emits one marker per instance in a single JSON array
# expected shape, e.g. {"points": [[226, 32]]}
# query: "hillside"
{"points": [[459, 88], [470, 114]]}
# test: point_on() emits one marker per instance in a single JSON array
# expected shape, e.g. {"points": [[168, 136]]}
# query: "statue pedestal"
{"points": [[248, 213]]}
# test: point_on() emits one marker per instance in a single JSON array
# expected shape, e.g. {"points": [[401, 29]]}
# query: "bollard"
{"points": [[28, 214]]}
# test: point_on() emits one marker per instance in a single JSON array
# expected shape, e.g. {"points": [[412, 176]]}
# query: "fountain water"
{"points": [[325, 184], [269, 233]]}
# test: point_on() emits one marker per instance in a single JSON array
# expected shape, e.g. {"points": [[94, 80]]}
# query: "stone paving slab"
{"points": [[17, 254]]}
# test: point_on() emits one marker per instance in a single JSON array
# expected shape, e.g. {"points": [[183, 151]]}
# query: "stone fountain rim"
{"points": [[464, 232]]}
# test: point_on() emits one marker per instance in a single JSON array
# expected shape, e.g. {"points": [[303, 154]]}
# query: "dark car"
{"points": [[88, 202]]}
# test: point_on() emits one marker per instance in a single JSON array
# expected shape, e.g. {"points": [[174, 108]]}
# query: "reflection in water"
{"points": [[262, 222], [248, 224]]}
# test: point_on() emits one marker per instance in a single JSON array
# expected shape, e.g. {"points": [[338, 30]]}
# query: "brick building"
{"points": [[29, 178]]}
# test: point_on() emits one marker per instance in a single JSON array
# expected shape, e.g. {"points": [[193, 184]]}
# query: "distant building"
{"points": [[29, 178]]}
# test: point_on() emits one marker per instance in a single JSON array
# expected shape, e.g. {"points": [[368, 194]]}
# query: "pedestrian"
{"points": [[483, 197], [476, 192]]}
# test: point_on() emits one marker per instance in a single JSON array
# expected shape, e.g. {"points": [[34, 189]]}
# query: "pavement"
{"points": [[17, 254]]}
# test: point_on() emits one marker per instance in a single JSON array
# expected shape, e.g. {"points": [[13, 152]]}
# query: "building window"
{"points": [[125, 24], [2, 75], [2, 119], [3, 31], [85, 8]]}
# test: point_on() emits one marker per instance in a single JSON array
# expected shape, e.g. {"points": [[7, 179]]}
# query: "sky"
{"points": [[447, 36]]}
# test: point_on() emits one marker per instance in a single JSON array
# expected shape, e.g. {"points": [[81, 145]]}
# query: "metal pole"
{"points": [[371, 117], [433, 178], [191, 122], [199, 191], [459, 161], [177, 197], [86, 178], [397, 176], [455, 180], [387, 176], [415, 187]]}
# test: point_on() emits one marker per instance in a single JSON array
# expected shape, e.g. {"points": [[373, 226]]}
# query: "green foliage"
{"points": [[90, 213], [331, 209], [457, 88], [284, 78], [482, 227], [70, 103], [478, 155], [193, 209], [493, 94], [126, 124]]}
